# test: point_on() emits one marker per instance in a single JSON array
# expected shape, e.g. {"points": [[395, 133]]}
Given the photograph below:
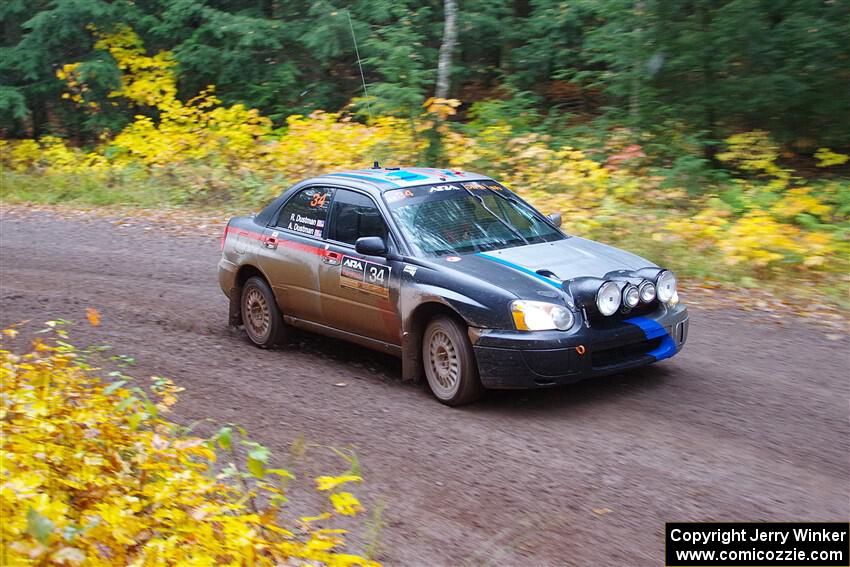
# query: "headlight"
{"points": [[647, 291], [540, 316], [631, 296], [608, 298], [666, 286]]}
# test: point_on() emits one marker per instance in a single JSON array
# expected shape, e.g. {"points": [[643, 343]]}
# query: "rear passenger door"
{"points": [[292, 249], [359, 294]]}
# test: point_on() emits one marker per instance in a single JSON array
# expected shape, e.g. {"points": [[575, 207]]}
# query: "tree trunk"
{"points": [[444, 65], [637, 64]]}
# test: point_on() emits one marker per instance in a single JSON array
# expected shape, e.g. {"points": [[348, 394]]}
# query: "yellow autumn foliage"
{"points": [[766, 221], [93, 473]]}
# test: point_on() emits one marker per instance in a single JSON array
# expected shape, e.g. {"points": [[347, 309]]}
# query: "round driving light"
{"points": [[563, 318], [666, 286], [631, 296], [608, 298], [647, 292]]}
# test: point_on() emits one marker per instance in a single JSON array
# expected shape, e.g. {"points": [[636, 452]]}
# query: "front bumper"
{"points": [[517, 359]]}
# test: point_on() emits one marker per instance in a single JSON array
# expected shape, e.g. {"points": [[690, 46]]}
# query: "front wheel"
{"points": [[260, 315], [450, 363]]}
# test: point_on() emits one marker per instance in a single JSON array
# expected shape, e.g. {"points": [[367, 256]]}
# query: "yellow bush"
{"points": [[754, 152], [759, 239], [800, 200], [828, 158], [315, 144], [94, 474], [24, 155]]}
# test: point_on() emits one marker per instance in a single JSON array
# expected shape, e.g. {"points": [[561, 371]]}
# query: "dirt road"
{"points": [[750, 422]]}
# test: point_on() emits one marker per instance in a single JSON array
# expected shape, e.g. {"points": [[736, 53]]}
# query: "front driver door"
{"points": [[359, 293]]}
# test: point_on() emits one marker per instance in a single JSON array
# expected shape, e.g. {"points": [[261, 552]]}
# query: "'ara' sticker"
{"points": [[365, 276], [452, 258], [440, 188], [410, 270]]}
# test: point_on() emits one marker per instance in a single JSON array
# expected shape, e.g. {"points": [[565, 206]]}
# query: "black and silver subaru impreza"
{"points": [[471, 286]]}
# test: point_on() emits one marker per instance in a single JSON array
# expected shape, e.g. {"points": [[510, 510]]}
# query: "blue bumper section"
{"points": [[653, 330]]}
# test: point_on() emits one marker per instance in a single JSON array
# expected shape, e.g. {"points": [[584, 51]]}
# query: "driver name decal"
{"points": [[365, 276]]}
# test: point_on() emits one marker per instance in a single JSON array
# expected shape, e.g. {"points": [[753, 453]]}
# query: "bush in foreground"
{"points": [[93, 474]]}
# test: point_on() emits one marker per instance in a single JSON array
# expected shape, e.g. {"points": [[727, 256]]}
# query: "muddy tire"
{"points": [[260, 314], [449, 362]]}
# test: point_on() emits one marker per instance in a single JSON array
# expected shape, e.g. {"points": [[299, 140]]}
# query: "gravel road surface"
{"points": [[750, 422]]}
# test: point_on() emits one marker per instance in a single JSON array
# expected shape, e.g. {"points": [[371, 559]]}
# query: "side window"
{"points": [[307, 212], [355, 215]]}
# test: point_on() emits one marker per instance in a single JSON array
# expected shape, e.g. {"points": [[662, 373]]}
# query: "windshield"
{"points": [[458, 218]]}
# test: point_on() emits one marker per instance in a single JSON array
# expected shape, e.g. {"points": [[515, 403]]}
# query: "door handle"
{"points": [[332, 258], [270, 242]]}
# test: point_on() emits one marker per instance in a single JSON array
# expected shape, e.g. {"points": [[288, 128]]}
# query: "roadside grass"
{"points": [[122, 189], [139, 187], [220, 192]]}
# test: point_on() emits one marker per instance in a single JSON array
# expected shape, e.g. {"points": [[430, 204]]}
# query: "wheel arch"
{"points": [[244, 272], [412, 365]]}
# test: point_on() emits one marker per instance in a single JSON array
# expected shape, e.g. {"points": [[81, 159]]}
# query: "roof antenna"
{"points": [[376, 165], [360, 64]]}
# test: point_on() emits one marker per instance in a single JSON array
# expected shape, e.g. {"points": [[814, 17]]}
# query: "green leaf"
{"points": [[256, 468], [126, 403], [134, 420], [281, 473], [225, 437], [38, 526], [149, 406], [114, 386], [260, 453], [257, 459]]}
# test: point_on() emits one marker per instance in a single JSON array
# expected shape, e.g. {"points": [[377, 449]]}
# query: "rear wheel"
{"points": [[260, 315], [450, 362]]}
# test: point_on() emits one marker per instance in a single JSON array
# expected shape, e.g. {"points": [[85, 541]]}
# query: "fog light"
{"points": [[631, 296], [647, 292]]}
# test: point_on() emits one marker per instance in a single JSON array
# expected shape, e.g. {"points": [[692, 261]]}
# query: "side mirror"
{"points": [[556, 219], [371, 246]]}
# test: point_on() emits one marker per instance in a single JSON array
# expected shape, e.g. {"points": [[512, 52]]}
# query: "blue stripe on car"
{"points": [[652, 330], [520, 268], [406, 175], [365, 178]]}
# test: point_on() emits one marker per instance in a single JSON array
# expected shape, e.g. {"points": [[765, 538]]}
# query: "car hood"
{"points": [[516, 269], [571, 258]]}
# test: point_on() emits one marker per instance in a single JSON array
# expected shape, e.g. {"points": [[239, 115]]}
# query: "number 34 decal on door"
{"points": [[365, 276]]}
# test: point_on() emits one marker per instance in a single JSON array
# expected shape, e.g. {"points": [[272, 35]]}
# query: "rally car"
{"points": [[470, 285]]}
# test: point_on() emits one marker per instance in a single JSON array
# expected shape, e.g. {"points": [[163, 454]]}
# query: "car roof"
{"points": [[375, 181], [385, 179]]}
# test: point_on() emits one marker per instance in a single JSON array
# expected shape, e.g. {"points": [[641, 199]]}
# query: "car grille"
{"points": [[618, 355]]}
